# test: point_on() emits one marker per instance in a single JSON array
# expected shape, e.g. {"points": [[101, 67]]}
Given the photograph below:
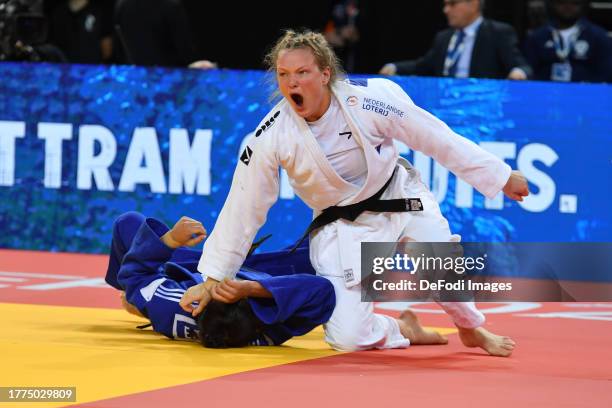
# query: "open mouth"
{"points": [[297, 99]]}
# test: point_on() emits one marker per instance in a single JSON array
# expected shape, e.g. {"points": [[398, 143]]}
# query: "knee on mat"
{"points": [[348, 338], [342, 344]]}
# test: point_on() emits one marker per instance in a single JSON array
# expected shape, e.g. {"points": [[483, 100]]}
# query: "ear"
{"points": [[326, 75]]}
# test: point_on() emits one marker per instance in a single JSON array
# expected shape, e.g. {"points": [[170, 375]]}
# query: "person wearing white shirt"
{"points": [[472, 47]]}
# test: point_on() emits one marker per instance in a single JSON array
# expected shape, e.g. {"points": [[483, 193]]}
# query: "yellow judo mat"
{"points": [[103, 354]]}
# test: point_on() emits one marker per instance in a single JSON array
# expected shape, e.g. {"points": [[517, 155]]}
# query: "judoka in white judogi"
{"points": [[365, 117]]}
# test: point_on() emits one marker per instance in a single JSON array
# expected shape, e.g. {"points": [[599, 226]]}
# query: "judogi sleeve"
{"points": [[301, 302], [422, 131], [254, 189]]}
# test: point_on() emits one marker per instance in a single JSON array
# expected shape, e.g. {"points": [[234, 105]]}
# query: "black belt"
{"points": [[352, 211], [256, 245]]}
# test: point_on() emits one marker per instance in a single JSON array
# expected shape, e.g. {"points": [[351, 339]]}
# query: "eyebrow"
{"points": [[297, 69]]}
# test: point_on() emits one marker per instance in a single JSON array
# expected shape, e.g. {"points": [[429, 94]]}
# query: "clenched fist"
{"points": [[186, 232]]}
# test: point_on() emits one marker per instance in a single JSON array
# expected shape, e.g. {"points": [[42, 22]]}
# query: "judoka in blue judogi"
{"points": [[154, 277]]}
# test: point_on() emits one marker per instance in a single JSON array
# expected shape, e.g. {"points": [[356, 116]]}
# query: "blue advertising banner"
{"points": [[79, 145]]}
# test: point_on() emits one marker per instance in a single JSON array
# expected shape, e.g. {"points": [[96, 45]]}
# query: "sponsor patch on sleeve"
{"points": [[267, 124], [246, 155]]}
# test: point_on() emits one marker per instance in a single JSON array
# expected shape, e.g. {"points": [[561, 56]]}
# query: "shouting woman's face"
{"points": [[303, 83]]}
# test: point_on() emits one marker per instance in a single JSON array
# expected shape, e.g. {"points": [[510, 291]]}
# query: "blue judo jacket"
{"points": [[155, 278]]}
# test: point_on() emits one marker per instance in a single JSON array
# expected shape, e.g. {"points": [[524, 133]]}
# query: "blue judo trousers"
{"points": [[155, 277]]}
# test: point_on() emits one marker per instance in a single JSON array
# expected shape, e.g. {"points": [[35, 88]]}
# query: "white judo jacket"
{"points": [[377, 111]]}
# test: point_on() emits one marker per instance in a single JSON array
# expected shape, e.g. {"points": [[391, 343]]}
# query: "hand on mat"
{"points": [[186, 232], [200, 293], [516, 187], [231, 291]]}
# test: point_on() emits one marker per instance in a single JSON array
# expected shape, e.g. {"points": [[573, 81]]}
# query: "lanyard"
{"points": [[455, 49], [563, 49]]}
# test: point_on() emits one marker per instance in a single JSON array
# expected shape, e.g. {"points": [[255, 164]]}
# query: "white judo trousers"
{"points": [[354, 325]]}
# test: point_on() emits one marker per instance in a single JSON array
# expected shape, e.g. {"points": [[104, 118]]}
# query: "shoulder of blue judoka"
{"points": [[164, 312], [299, 296], [142, 263]]}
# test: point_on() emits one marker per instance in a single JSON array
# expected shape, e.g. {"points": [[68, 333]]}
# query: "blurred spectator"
{"points": [[570, 48], [24, 33], [156, 32], [342, 31], [471, 47], [537, 15], [82, 30]]}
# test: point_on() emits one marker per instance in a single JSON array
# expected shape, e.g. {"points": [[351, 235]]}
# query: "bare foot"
{"points": [[493, 344], [417, 334]]}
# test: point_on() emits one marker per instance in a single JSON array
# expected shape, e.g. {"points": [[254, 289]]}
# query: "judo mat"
{"points": [[62, 326]]}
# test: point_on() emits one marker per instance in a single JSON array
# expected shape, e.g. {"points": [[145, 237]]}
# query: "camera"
{"points": [[21, 30]]}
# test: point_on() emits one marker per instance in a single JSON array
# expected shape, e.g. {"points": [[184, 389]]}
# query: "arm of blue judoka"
{"points": [[305, 299], [141, 266]]}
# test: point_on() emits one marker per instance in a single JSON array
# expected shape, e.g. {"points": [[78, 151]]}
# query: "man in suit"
{"points": [[472, 47]]}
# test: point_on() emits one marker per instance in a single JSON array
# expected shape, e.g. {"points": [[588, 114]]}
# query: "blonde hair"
{"points": [[316, 42]]}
